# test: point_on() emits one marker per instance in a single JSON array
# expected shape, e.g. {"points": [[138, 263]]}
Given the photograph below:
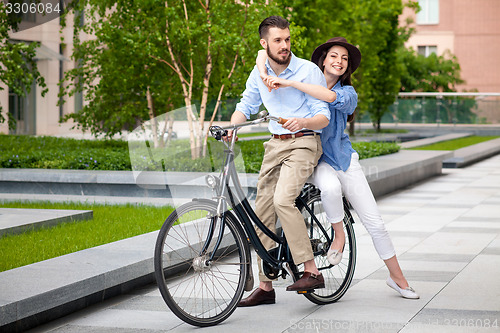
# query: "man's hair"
{"points": [[272, 22]]}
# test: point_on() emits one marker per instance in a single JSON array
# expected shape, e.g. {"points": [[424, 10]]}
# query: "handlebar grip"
{"points": [[282, 121]]}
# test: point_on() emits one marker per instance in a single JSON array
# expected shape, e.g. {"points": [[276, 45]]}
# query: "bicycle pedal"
{"points": [[302, 292]]}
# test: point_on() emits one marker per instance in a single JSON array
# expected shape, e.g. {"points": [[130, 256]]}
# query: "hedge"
{"points": [[47, 152]]}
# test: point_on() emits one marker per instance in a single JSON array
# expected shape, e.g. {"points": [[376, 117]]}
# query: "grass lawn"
{"points": [[456, 143], [110, 223]]}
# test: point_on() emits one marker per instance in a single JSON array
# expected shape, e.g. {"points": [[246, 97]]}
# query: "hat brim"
{"points": [[354, 53]]}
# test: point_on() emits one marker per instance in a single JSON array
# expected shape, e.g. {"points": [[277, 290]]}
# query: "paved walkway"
{"points": [[447, 235]]}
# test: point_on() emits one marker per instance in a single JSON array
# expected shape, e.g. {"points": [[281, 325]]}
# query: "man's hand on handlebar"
{"points": [[294, 124], [229, 136]]}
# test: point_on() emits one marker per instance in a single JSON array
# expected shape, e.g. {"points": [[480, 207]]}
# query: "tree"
{"points": [[433, 74], [373, 26], [152, 56], [430, 74], [122, 85], [18, 69], [384, 44]]}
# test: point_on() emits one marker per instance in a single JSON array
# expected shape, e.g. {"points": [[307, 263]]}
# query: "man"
{"points": [[290, 155]]}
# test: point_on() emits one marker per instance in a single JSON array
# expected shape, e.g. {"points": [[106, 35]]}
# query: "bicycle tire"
{"points": [[338, 278], [198, 294]]}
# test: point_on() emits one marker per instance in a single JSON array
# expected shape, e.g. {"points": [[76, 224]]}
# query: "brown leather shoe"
{"points": [[258, 297], [308, 281]]}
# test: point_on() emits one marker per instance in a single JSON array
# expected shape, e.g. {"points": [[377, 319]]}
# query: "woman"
{"points": [[338, 169]]}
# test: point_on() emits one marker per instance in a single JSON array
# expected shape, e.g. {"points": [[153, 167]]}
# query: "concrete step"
{"points": [[16, 220], [471, 154]]}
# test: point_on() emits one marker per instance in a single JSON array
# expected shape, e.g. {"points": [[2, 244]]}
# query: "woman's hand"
{"points": [[265, 78], [277, 82]]}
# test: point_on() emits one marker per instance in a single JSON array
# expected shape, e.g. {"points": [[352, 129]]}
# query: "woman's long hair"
{"points": [[345, 79]]}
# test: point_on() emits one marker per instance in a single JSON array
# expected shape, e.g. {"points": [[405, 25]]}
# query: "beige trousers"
{"points": [[286, 166]]}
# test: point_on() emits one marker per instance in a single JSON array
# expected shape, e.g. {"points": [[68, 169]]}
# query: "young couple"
{"points": [[290, 88]]}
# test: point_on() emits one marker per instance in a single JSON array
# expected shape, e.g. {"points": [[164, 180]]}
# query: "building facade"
{"points": [[37, 115], [468, 29]]}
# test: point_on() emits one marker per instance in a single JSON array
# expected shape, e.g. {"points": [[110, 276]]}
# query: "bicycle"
{"points": [[202, 254]]}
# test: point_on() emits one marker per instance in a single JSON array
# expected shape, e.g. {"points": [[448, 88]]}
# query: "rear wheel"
{"points": [[338, 278], [199, 290]]}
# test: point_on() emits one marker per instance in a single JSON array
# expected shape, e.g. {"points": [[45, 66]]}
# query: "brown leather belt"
{"points": [[295, 135]]}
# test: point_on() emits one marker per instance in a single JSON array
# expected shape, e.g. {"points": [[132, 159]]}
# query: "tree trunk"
{"points": [[352, 127], [187, 88], [154, 123], [206, 81], [170, 128]]}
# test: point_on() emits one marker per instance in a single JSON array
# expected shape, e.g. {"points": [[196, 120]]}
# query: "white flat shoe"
{"points": [[406, 293], [334, 256]]}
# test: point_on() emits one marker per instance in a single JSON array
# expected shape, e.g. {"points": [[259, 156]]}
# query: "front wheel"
{"points": [[338, 278], [201, 287]]}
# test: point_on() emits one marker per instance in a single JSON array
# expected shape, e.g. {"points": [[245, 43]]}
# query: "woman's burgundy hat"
{"points": [[354, 53]]}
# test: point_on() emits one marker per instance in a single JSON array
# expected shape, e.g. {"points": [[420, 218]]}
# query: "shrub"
{"points": [[62, 153]]}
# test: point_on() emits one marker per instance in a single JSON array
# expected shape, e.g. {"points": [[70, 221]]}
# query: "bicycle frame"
{"points": [[242, 208]]}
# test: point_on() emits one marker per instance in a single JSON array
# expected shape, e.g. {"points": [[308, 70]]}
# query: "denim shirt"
{"points": [[337, 148], [284, 102]]}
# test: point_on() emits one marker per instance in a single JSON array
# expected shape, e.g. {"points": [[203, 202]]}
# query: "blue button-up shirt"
{"points": [[337, 148], [284, 102]]}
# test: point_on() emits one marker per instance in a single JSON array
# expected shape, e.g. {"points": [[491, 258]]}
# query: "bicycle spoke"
{"points": [[337, 277]]}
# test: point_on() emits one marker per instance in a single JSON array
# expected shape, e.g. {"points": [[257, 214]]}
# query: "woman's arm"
{"points": [[313, 90], [261, 66], [274, 82], [261, 63]]}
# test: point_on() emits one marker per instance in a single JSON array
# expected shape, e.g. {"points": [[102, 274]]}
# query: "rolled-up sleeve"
{"points": [[347, 99], [317, 106], [251, 100]]}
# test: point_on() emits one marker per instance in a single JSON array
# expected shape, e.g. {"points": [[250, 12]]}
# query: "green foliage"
{"points": [[181, 54], [18, 68], [62, 153], [429, 74], [373, 149], [433, 74], [373, 26], [110, 223]]}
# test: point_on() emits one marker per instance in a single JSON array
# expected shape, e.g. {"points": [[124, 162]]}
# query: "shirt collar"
{"points": [[292, 66]]}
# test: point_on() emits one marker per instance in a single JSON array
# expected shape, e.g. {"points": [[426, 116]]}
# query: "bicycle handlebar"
{"points": [[218, 132]]}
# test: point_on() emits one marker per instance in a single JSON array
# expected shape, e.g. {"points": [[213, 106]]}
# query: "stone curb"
{"points": [[434, 139], [471, 154]]}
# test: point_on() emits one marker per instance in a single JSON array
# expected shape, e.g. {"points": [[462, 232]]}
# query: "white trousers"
{"points": [[355, 187]]}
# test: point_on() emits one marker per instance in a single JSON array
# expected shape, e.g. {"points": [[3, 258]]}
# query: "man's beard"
{"points": [[279, 61]]}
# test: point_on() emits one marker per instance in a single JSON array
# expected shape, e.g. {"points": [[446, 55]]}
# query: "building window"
{"points": [[427, 50], [429, 12], [16, 106]]}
